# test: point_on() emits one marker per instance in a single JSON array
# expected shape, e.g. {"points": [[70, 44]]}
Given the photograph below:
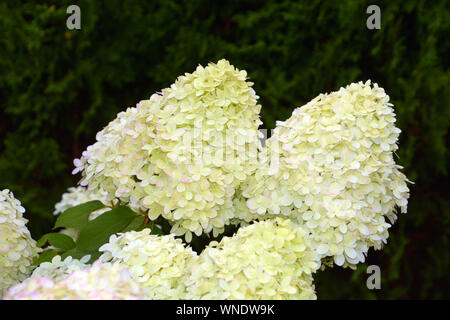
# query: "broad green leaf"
{"points": [[98, 231], [45, 256], [134, 224], [77, 217], [58, 240]]}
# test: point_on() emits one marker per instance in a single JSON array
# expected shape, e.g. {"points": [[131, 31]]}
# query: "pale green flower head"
{"points": [[183, 153], [17, 248], [266, 260], [330, 167], [98, 282], [157, 263]]}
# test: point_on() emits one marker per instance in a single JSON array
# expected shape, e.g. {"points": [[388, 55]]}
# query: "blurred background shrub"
{"points": [[58, 87]]}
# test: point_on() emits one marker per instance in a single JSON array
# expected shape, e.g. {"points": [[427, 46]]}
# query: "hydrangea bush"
{"points": [[179, 199]]}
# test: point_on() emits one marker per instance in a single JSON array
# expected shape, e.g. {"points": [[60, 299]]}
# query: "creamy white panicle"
{"points": [[79, 195], [59, 268], [266, 260], [330, 167], [183, 153], [99, 282], [158, 263], [17, 248]]}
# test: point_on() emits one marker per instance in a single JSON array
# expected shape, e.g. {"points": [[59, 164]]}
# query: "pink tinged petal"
{"points": [[45, 282], [250, 204]]}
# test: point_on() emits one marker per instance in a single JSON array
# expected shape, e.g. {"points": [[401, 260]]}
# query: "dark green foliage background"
{"points": [[59, 87]]}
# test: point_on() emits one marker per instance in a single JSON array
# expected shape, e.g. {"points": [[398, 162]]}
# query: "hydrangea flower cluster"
{"points": [[17, 248], [330, 167], [158, 263], [58, 268], [323, 190], [76, 196], [266, 260], [99, 282], [183, 153]]}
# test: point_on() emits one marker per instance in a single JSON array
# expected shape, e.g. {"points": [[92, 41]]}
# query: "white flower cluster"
{"points": [[99, 282], [267, 260], [330, 167], [157, 263], [183, 153], [324, 190], [17, 248], [58, 268], [76, 196]]}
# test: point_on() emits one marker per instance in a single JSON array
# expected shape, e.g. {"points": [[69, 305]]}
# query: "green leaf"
{"points": [[134, 224], [45, 256], [156, 230], [57, 240], [98, 231], [77, 217]]}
